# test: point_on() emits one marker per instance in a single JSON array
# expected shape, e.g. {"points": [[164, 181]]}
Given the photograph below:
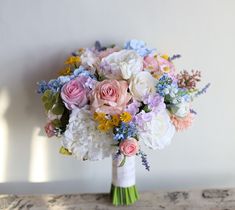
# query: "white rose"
{"points": [[142, 84], [122, 65], [158, 132], [181, 109]]}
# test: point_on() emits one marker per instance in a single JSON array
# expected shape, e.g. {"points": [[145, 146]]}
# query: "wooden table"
{"points": [[216, 199]]}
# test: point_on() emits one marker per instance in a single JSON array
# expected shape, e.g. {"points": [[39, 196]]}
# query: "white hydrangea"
{"points": [[83, 139], [158, 132]]}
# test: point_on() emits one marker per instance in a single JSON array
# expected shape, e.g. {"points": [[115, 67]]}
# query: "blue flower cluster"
{"points": [[163, 85], [56, 84], [139, 47], [169, 89], [124, 131]]}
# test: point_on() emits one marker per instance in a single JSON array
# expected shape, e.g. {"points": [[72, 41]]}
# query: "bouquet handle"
{"points": [[123, 188]]}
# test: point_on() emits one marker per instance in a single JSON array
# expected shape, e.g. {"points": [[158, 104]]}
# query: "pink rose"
{"points": [[49, 129], [75, 93], [110, 97], [158, 65], [129, 147]]}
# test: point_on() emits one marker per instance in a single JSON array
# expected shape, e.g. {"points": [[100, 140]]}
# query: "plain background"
{"points": [[37, 36]]}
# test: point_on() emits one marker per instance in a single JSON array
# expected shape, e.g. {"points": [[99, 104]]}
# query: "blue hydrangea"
{"points": [[138, 46], [82, 71], [124, 131]]}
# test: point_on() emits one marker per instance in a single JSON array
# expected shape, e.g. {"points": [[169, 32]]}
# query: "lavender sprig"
{"points": [[174, 57], [116, 155], [144, 160], [203, 90], [193, 111]]}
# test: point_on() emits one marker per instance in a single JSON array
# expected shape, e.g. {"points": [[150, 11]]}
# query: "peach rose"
{"points": [[129, 147], [110, 97]]}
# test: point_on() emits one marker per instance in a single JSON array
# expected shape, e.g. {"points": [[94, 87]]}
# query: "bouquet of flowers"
{"points": [[111, 101]]}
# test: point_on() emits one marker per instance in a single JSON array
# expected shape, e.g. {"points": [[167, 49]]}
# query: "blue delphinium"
{"points": [[124, 131], [138, 46], [163, 85], [169, 89]]}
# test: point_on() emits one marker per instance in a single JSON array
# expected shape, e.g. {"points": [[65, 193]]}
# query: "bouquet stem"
{"points": [[123, 188]]}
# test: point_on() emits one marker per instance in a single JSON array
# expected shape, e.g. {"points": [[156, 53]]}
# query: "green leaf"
{"points": [[57, 97], [123, 162], [56, 123], [48, 106], [44, 99], [58, 109], [53, 100], [146, 109], [47, 93], [64, 151]]}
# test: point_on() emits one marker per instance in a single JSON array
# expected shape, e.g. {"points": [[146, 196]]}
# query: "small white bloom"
{"points": [[122, 65], [142, 84], [88, 59], [83, 139], [157, 133], [181, 110]]}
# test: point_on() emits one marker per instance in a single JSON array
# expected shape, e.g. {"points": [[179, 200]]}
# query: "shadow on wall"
{"points": [[4, 103], [25, 153]]}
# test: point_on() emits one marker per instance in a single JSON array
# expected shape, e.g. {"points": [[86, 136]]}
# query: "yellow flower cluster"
{"points": [[73, 60], [66, 71], [107, 122], [125, 117]]}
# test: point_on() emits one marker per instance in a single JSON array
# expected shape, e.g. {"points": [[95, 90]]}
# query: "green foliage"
{"points": [[56, 123], [53, 102]]}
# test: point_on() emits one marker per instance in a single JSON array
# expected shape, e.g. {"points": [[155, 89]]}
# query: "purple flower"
{"points": [[133, 107]]}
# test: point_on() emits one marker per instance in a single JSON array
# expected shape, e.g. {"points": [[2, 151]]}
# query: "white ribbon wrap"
{"points": [[123, 176]]}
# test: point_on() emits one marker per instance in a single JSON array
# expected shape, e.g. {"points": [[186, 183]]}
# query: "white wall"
{"points": [[35, 38]]}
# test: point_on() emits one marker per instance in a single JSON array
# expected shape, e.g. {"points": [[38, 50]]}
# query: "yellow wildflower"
{"points": [[106, 126], [66, 71], [125, 117], [166, 69], [165, 56], [157, 75], [100, 117], [102, 127], [73, 60], [115, 120]]}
